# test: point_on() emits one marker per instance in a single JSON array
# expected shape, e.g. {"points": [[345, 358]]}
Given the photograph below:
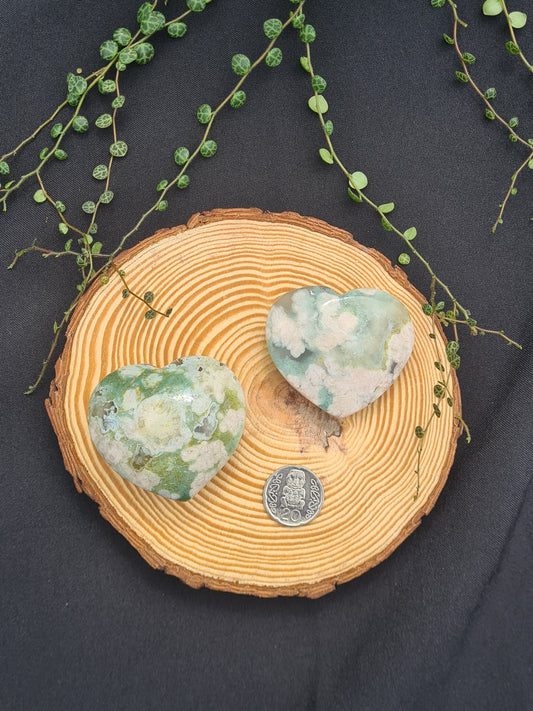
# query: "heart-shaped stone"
{"points": [[341, 352], [168, 430]]}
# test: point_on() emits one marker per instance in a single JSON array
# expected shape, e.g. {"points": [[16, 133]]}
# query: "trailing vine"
{"points": [[515, 20]]}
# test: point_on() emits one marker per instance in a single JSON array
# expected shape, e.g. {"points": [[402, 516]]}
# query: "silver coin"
{"points": [[293, 495]]}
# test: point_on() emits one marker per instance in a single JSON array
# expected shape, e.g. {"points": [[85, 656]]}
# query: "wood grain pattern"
{"points": [[221, 273]]}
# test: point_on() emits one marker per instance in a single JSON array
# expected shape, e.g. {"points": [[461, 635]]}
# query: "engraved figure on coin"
{"points": [[293, 495]]}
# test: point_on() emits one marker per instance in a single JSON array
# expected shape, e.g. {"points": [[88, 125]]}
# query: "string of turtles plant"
{"points": [[126, 49], [515, 20], [135, 49], [443, 307]]}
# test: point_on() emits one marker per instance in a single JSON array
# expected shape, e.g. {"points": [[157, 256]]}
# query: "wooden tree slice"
{"points": [[221, 273]]}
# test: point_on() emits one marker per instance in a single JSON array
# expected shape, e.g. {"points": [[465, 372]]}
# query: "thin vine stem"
{"points": [[510, 191], [513, 37], [30, 138], [489, 107]]}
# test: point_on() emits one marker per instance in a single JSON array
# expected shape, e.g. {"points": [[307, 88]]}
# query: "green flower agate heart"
{"points": [[341, 352], [168, 430]]}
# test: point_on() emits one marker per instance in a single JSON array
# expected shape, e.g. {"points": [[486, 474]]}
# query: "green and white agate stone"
{"points": [[341, 352], [168, 430]]}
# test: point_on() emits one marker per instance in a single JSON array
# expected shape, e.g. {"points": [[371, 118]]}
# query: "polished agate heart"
{"points": [[168, 430], [341, 352]]}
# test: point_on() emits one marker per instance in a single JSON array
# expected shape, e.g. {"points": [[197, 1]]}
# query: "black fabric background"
{"points": [[446, 621]]}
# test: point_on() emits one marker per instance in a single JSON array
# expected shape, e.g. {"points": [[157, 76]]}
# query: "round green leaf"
{"points": [[42, 155], [358, 180], [4, 168], [304, 62], [183, 182], [490, 93], [144, 53], [62, 228], [128, 55], [60, 207], [410, 233], [238, 99], [298, 21], [108, 50], [404, 258], [530, 164], [122, 36], [80, 124], [118, 101], [272, 27], [328, 128], [39, 196], [462, 77], [177, 29], [438, 3], [512, 48], [100, 172], [308, 33], [208, 149], [318, 83], [492, 7], [106, 86], [73, 99], [120, 66], [354, 196], [106, 197], [144, 10], [162, 205], [203, 114], [386, 207], [89, 207], [181, 155], [326, 155], [76, 85], [56, 130], [196, 5], [118, 149], [274, 57], [318, 104], [468, 58], [161, 185], [240, 64], [454, 361], [152, 23], [60, 154], [517, 19], [104, 121]]}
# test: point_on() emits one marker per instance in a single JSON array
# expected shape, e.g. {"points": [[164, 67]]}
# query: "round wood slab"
{"points": [[221, 273]]}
